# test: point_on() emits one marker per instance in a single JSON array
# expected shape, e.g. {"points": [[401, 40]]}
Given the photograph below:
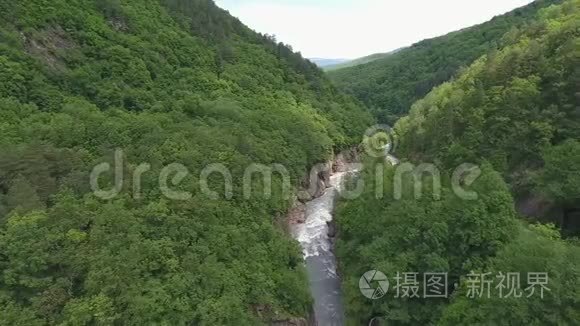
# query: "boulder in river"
{"points": [[331, 229]]}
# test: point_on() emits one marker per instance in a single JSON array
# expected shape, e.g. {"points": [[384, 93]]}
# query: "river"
{"points": [[317, 246]]}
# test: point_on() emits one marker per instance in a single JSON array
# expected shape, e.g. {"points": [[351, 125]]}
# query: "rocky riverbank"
{"points": [[311, 223]]}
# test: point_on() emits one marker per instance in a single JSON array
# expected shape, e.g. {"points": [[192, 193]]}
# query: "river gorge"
{"points": [[315, 231]]}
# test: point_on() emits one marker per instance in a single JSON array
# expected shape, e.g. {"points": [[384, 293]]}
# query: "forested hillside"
{"points": [[165, 81], [517, 108], [359, 61], [515, 114], [389, 86]]}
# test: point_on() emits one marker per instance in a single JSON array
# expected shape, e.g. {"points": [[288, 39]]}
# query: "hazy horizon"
{"points": [[348, 29]]}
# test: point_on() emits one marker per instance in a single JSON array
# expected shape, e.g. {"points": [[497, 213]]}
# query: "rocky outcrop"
{"points": [[271, 317], [309, 320], [119, 24], [315, 184], [48, 46], [297, 213], [292, 322], [538, 208], [345, 157], [331, 229]]}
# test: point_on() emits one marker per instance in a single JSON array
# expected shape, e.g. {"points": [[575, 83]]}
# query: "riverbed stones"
{"points": [[297, 214]]}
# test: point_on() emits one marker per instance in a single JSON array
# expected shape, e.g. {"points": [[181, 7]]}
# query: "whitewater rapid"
{"points": [[317, 247]]}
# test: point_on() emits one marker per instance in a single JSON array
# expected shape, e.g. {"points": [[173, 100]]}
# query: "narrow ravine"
{"points": [[315, 237]]}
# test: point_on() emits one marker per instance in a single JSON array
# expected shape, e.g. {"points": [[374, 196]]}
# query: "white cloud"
{"points": [[351, 29]]}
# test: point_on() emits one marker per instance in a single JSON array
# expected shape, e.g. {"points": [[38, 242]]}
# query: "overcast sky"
{"points": [[355, 28]]}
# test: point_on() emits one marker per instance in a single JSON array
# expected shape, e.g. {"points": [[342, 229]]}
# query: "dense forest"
{"points": [[516, 108], [389, 86], [165, 81], [143, 85], [359, 61], [515, 112]]}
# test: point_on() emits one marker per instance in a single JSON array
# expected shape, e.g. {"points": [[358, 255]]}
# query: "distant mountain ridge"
{"points": [[323, 62], [360, 61], [391, 84]]}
